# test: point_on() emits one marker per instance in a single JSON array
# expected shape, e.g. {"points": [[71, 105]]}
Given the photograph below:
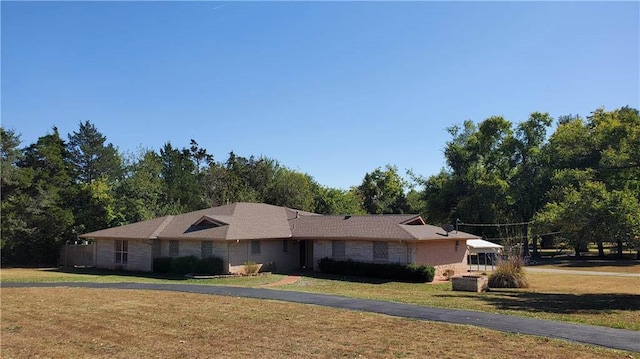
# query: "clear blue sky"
{"points": [[331, 89]]}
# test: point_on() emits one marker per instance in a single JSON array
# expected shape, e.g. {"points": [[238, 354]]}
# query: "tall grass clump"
{"points": [[251, 268], [509, 273]]}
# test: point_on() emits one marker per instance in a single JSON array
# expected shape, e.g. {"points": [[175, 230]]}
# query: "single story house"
{"points": [[279, 239]]}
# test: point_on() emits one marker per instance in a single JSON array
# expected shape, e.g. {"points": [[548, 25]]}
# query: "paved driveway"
{"points": [[606, 337], [580, 272]]}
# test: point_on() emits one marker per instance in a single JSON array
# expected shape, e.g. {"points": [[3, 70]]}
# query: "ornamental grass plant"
{"points": [[509, 273]]}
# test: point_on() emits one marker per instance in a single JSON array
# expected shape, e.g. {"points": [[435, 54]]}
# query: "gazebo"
{"points": [[480, 246]]}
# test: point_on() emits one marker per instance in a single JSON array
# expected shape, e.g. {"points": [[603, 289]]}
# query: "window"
{"points": [[255, 247], [206, 249], [121, 251], [381, 251], [174, 248], [338, 249], [285, 246]]}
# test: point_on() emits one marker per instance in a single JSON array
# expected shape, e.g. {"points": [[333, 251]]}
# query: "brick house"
{"points": [[279, 239]]}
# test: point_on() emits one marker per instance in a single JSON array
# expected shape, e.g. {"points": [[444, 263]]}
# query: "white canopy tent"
{"points": [[480, 246]]}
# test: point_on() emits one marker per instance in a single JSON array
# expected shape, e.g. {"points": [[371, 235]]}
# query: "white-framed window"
{"points": [[255, 247], [121, 252], [285, 246], [206, 249], [338, 249], [174, 248], [381, 251]]}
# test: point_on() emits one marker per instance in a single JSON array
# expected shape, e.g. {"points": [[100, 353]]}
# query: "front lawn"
{"points": [[98, 323], [596, 300], [107, 276]]}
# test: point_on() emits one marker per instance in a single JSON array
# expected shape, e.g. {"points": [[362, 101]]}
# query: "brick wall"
{"points": [[139, 255], [442, 255], [362, 251], [271, 256]]}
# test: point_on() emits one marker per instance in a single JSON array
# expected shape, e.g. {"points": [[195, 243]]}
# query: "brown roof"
{"points": [[371, 226], [242, 221], [433, 232]]}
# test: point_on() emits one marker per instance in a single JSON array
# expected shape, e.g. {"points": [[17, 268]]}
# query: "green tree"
{"points": [[382, 191], [139, 194], [475, 187], [90, 157], [182, 191], [589, 213], [241, 179], [494, 174], [200, 157], [41, 213], [334, 201], [95, 207], [292, 189], [596, 166], [14, 182]]}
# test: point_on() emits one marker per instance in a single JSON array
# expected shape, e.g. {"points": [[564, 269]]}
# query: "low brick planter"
{"points": [[470, 283]]}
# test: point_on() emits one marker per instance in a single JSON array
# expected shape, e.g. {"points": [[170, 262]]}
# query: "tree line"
{"points": [[580, 184], [582, 181]]}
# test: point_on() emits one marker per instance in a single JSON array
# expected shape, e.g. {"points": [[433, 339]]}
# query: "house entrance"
{"points": [[306, 255]]}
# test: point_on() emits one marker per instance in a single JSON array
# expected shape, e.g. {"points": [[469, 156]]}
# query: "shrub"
{"points": [[449, 273], [509, 274], [162, 265], [251, 268], [209, 265], [408, 273], [189, 264], [182, 265]]}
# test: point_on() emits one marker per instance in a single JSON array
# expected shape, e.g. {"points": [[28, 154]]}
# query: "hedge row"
{"points": [[189, 264], [405, 273]]}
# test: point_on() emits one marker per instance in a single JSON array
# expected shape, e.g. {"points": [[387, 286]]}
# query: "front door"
{"points": [[303, 254]]}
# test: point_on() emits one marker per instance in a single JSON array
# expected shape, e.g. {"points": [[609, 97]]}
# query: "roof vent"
{"points": [[347, 216], [297, 214]]}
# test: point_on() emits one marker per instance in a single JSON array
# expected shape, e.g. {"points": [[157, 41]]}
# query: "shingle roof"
{"points": [[427, 232], [372, 226], [144, 229], [236, 221], [242, 221]]}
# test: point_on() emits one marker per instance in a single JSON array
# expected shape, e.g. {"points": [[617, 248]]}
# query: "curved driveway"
{"points": [[606, 337]]}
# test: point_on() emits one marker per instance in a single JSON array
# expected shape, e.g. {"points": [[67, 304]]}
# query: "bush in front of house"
{"points": [[251, 268], [208, 266], [188, 264], [183, 265], [419, 273], [162, 265], [405, 273], [509, 274]]}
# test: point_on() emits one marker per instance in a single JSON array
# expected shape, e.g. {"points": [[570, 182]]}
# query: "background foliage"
{"points": [[581, 182]]}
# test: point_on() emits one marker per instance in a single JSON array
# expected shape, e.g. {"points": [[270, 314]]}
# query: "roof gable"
{"points": [[209, 222]]}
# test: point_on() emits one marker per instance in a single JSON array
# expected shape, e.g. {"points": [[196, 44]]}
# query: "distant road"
{"points": [[583, 272]]}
